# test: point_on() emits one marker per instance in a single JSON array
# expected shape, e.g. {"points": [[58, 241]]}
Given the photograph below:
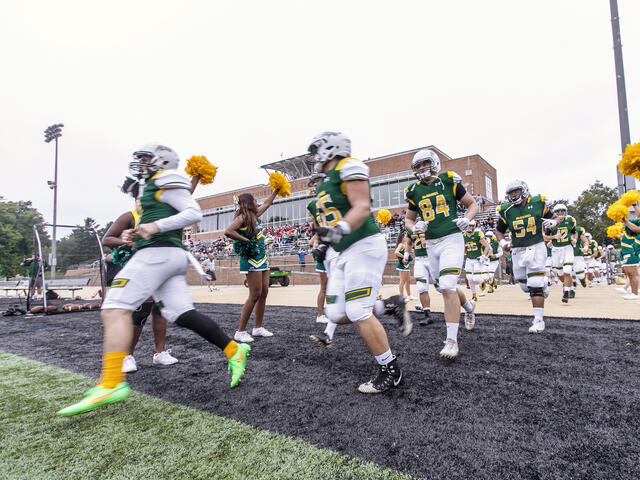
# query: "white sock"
{"points": [[566, 289], [385, 358], [468, 307], [472, 285], [330, 329], [538, 314], [452, 330], [378, 309]]}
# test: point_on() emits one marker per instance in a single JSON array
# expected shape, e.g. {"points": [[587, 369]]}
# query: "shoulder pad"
{"points": [[353, 169], [455, 177], [171, 179]]}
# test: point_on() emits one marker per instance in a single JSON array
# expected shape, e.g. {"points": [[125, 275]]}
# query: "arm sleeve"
{"points": [[547, 214], [460, 191], [502, 226], [188, 210]]}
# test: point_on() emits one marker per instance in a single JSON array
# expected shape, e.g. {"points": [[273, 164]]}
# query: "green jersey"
{"points": [[436, 203], [592, 249], [154, 209], [524, 222], [332, 203], [472, 246], [564, 229], [313, 211], [419, 248], [495, 245], [577, 250]]}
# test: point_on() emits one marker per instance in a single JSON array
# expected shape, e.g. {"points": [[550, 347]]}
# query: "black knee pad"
{"points": [[140, 315], [536, 291]]}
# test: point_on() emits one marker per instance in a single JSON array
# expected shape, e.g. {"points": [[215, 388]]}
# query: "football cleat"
{"points": [[583, 282], [572, 294], [97, 397], [427, 320], [537, 327], [495, 283], [450, 349], [491, 289], [322, 339], [565, 297], [470, 317], [389, 376], [238, 362], [418, 308], [474, 297]]}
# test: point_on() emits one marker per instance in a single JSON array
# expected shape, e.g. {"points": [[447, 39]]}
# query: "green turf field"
{"points": [[142, 437]]}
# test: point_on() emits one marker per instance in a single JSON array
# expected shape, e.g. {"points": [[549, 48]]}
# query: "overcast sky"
{"points": [[530, 86]]}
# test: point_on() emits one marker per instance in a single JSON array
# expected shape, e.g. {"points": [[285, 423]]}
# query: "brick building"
{"points": [[389, 175]]}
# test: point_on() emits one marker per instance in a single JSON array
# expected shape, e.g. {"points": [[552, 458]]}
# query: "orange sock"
{"points": [[231, 349], [112, 369]]}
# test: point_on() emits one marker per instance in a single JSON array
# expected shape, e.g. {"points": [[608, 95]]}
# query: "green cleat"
{"points": [[97, 397], [238, 362]]}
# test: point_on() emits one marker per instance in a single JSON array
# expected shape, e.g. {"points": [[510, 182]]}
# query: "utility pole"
{"points": [[625, 183], [54, 132]]}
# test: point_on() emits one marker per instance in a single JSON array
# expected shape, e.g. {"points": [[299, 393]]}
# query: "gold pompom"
{"points": [[384, 216], [199, 165], [630, 198], [630, 163], [617, 211], [615, 230], [278, 181]]}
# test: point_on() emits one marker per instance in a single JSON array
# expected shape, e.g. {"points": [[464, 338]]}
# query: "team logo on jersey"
{"points": [[119, 282]]}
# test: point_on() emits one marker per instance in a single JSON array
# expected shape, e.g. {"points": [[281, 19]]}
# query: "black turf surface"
{"points": [[563, 404]]}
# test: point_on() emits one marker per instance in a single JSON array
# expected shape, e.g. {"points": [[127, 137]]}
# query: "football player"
{"points": [[320, 267], [418, 243], [432, 210], [579, 265], [525, 217], [158, 269], [343, 201], [563, 236], [476, 265], [494, 259]]}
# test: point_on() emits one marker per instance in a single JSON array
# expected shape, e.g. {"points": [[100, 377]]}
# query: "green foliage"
{"points": [[79, 247], [144, 437], [16, 235], [590, 210]]}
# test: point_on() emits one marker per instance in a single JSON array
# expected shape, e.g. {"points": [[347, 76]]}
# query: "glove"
{"points": [[549, 223], [420, 226], [321, 252], [462, 223], [484, 260], [333, 234]]}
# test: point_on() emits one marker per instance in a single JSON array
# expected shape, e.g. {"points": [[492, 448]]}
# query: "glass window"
{"points": [[488, 183]]}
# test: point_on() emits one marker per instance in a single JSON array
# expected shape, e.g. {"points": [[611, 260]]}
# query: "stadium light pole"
{"points": [[625, 183], [54, 132]]}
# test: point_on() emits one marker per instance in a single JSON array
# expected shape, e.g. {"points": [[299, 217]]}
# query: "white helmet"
{"points": [[560, 207], [160, 158], [489, 234], [514, 197], [328, 145], [422, 156], [588, 235], [471, 227]]}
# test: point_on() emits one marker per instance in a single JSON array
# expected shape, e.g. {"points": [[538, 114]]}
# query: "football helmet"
{"points": [[471, 227], [517, 192], [420, 158], [489, 234], [588, 235], [328, 145], [151, 159], [560, 207]]}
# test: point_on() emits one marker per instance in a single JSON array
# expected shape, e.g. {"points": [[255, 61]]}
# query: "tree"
{"points": [[79, 247], [590, 210], [16, 235]]}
